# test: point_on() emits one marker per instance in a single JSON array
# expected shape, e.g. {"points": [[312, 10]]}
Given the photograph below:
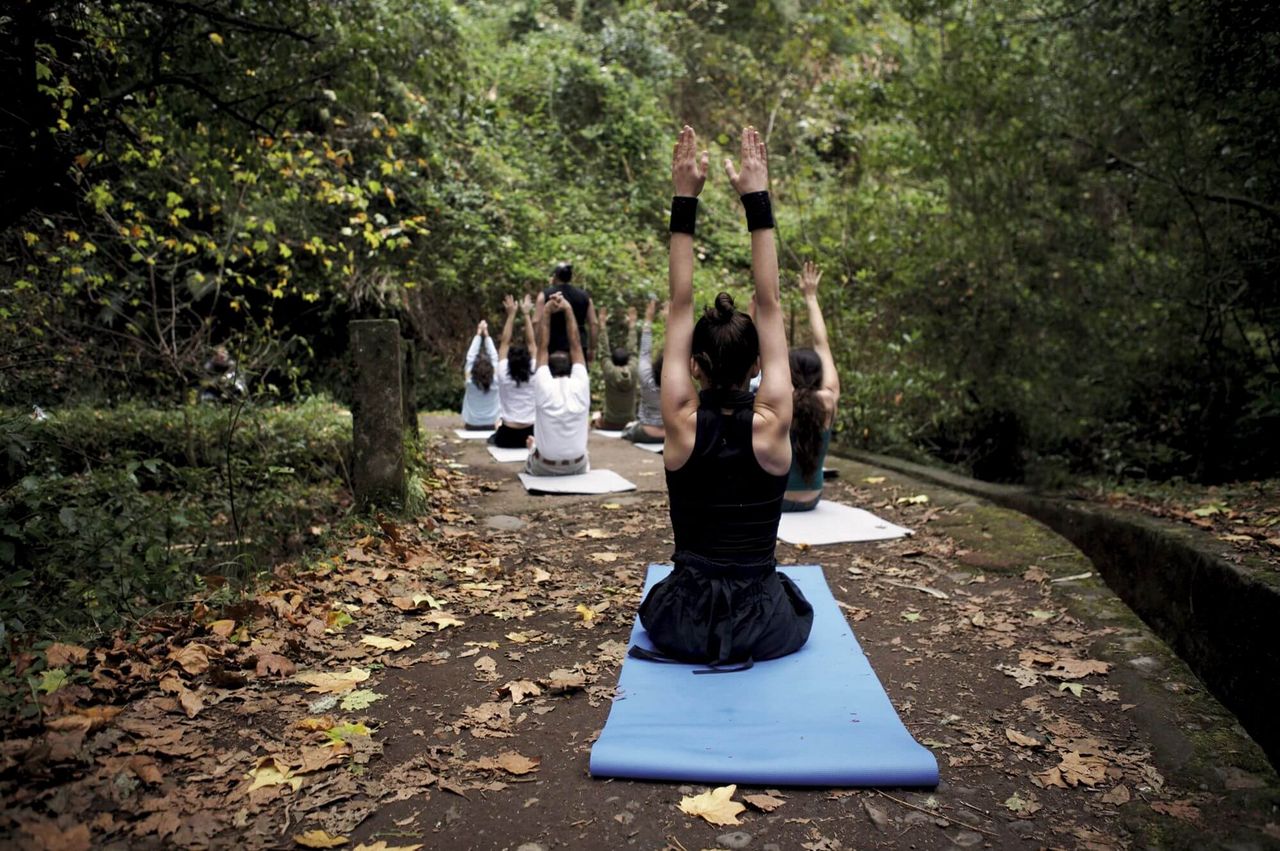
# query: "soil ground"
{"points": [[1058, 720]]}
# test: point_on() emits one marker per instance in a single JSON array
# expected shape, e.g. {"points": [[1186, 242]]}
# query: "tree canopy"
{"points": [[1049, 229]]}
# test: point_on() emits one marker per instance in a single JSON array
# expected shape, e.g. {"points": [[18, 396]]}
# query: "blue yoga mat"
{"points": [[818, 717]]}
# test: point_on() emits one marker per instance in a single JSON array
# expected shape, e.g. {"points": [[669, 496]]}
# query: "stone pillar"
{"points": [[409, 385], [377, 413]]}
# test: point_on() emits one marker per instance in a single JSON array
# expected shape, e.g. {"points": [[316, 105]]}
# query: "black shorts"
{"points": [[511, 438]]}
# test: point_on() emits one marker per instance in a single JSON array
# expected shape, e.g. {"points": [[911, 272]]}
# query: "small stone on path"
{"points": [[504, 522], [1146, 664], [531, 846], [736, 839], [965, 839]]}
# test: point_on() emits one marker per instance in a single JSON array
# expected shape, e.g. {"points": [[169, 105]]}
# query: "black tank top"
{"points": [[558, 333], [724, 506]]}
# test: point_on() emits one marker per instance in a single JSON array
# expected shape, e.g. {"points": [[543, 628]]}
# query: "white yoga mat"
{"points": [[655, 448], [833, 523], [507, 455], [603, 433], [467, 434], [595, 481]]}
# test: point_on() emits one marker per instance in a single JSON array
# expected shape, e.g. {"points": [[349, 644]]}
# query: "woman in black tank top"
{"points": [[727, 452]]}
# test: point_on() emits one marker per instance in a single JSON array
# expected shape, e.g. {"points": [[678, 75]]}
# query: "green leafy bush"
{"points": [[105, 514]]}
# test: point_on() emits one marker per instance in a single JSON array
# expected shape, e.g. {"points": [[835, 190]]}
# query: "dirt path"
{"points": [[1057, 719]]}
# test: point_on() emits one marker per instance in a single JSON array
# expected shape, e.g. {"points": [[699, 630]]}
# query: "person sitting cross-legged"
{"points": [[816, 387], [515, 385], [480, 396], [648, 425], [562, 401], [619, 375], [727, 451]]}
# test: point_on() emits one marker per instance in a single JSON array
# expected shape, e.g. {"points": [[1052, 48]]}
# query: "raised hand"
{"points": [[602, 315], [557, 304], [688, 168], [526, 304], [754, 176], [666, 310], [648, 310], [631, 316], [810, 275], [483, 328], [509, 304]]}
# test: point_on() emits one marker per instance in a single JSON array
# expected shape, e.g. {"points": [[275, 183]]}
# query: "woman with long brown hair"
{"points": [[815, 394]]}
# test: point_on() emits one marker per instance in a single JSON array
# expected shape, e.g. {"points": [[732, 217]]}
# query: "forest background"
{"points": [[1048, 230]]}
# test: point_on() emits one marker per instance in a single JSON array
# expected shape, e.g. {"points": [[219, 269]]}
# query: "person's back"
{"points": [[578, 301], [562, 402], [619, 375]]}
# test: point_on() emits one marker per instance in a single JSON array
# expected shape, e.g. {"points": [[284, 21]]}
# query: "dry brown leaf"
{"points": [[274, 663], [382, 643], [268, 772], [191, 702], [1117, 796], [564, 680], [381, 845], [441, 620], [222, 628], [1021, 738], [764, 803], [1074, 669], [1181, 810], [1079, 769], [715, 806], [520, 689], [318, 839], [604, 557], [508, 761], [1034, 574], [59, 655], [331, 683], [49, 837], [194, 658]]}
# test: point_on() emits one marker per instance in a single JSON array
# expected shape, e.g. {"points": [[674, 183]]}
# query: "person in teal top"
{"points": [[815, 387]]}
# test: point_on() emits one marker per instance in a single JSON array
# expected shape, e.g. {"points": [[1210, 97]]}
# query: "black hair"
{"points": [[620, 355], [564, 272], [559, 364], [657, 369], [807, 414], [482, 372], [725, 344], [518, 364]]}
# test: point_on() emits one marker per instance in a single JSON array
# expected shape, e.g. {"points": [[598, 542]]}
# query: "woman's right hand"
{"points": [[810, 275], [688, 168], [509, 304]]}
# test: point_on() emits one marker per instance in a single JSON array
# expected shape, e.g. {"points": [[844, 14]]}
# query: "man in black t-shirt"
{"points": [[583, 310]]}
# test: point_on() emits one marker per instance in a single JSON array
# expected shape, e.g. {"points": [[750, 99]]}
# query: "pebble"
{"points": [[532, 846], [736, 839], [965, 839], [771, 846], [624, 818], [504, 522], [1146, 664]]}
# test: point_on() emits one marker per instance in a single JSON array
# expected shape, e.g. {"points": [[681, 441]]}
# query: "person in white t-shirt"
{"points": [[562, 400], [515, 385]]}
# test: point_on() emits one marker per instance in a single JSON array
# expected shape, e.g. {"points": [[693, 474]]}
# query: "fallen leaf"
{"points": [[49, 837], [1074, 688], [911, 616], [918, 499], [360, 699], [59, 655], [874, 480], [267, 772], [52, 680], [274, 663], [611, 506], [563, 680], [764, 803], [1119, 795], [381, 845], [327, 683], [1081, 769], [319, 839], [385, 643], [1021, 738], [191, 702], [194, 658], [597, 534], [1074, 669], [588, 614], [441, 620], [486, 669], [715, 806], [508, 761], [1181, 810], [520, 689], [222, 628], [1034, 574], [1022, 806], [604, 557]]}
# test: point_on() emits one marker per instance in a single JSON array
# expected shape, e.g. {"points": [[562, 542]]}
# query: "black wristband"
{"points": [[684, 214], [759, 210]]}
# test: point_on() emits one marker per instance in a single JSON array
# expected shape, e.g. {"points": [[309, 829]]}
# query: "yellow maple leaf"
{"points": [[267, 772], [715, 806], [382, 643], [588, 614]]}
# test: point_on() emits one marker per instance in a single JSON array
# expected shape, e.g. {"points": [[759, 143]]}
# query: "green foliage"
{"points": [[105, 514]]}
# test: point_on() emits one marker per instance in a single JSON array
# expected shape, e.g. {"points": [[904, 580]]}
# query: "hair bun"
{"points": [[723, 311]]}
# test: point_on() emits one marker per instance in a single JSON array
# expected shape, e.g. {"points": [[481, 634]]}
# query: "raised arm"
{"points": [[526, 307], [631, 330], [810, 276], [576, 355], [472, 351], [544, 332], [678, 394], [592, 327], [645, 366], [602, 315], [509, 305], [772, 422]]}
